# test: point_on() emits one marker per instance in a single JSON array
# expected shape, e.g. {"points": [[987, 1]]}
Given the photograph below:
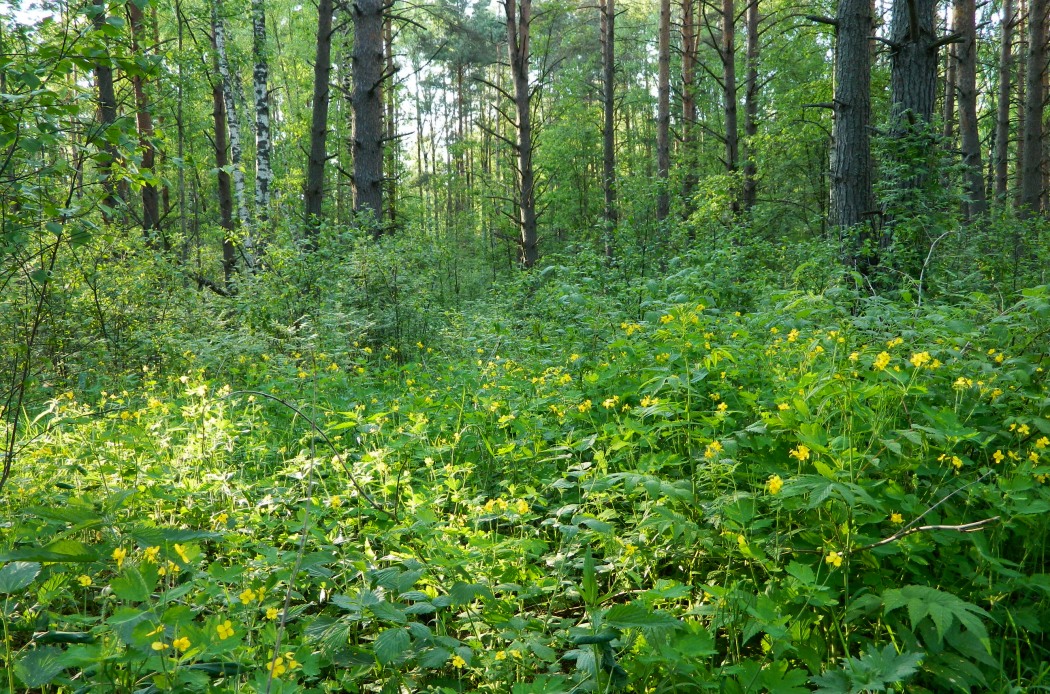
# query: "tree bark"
{"points": [[1032, 155], [519, 18], [663, 118], [368, 109], [263, 146], [851, 193], [144, 119], [107, 108], [315, 168], [1002, 111], [751, 105], [728, 51], [970, 140], [913, 60], [233, 123], [690, 50], [229, 256], [608, 32]]}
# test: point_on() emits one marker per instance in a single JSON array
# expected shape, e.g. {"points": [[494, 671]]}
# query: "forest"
{"points": [[524, 346]]}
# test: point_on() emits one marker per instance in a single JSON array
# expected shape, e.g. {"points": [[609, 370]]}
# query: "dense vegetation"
{"points": [[686, 428]]}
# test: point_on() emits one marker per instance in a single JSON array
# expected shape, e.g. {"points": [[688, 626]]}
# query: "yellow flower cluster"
{"points": [[775, 484], [881, 361], [800, 453], [713, 449]]}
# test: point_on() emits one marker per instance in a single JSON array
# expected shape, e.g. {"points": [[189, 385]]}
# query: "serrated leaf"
{"points": [[17, 575], [434, 658], [391, 645], [637, 616], [158, 537], [465, 593]]}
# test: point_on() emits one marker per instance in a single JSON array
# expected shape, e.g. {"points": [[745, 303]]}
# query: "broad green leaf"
{"points": [[38, 667], [58, 551], [391, 645], [637, 616], [17, 575]]}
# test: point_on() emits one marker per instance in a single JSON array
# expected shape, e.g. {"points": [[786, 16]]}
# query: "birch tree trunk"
{"points": [[233, 123], [263, 145], [1002, 109]]}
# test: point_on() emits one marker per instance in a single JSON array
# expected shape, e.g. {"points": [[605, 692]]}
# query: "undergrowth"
{"points": [[582, 482]]}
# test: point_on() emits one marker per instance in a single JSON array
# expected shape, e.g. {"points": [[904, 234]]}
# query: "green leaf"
{"points": [[465, 593], [38, 667], [58, 551], [391, 645], [132, 586], [17, 575], [637, 616]]}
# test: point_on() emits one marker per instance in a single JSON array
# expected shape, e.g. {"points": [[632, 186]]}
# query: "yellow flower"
{"points": [[896, 518], [800, 453], [722, 407], [783, 406], [84, 580], [278, 668], [957, 462], [181, 644], [666, 318], [584, 406], [775, 484], [834, 558], [793, 335], [335, 502], [1023, 430], [458, 662], [158, 645], [574, 357], [247, 595], [501, 655], [521, 507], [919, 359], [647, 401], [1033, 456], [271, 613], [1042, 442], [998, 456], [119, 555], [881, 361], [181, 551], [713, 449], [289, 658], [221, 519], [225, 630], [610, 403]]}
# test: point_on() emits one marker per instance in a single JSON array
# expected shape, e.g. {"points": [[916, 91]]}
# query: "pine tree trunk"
{"points": [[608, 18], [315, 168], [263, 145], [851, 194], [1032, 156], [368, 109], [751, 105], [1002, 111], [690, 48], [144, 119], [913, 75], [970, 140], [728, 50], [663, 118], [107, 108], [519, 18]]}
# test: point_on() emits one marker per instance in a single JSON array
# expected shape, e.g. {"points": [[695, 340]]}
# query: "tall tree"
{"points": [[690, 50], [752, 19], [970, 140], [1002, 108], [519, 25], [913, 63], [729, 95], [315, 167], [367, 101], [608, 31], [107, 108], [225, 190], [1032, 152], [851, 192], [663, 117], [233, 123], [144, 119], [263, 145]]}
